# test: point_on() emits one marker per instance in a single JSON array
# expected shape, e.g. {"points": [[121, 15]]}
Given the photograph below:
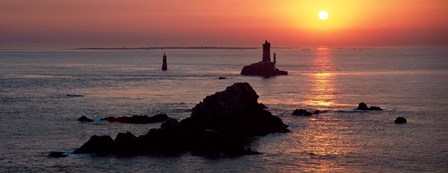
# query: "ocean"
{"points": [[38, 117]]}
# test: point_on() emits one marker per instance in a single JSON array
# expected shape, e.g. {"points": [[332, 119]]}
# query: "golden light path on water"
{"points": [[322, 87], [324, 138]]}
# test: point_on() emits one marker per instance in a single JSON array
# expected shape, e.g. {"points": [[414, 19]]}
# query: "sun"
{"points": [[323, 15]]}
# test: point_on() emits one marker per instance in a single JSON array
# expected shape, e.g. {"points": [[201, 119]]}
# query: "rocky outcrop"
{"points": [[363, 106], [301, 112], [84, 119], [135, 119], [221, 124], [400, 120], [265, 69]]}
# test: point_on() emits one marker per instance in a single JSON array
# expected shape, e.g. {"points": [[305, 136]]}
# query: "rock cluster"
{"points": [[135, 119], [363, 106], [222, 124]]}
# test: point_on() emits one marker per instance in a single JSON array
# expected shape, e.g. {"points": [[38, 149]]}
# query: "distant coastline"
{"points": [[163, 47]]}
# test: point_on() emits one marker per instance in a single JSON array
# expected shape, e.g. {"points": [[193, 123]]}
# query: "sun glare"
{"points": [[323, 15]]}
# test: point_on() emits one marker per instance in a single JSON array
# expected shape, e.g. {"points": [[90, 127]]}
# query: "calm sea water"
{"points": [[37, 117]]}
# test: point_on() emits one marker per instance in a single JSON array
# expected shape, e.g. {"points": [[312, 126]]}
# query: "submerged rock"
{"points": [[84, 119], [301, 112], [363, 106], [57, 154], [221, 124], [400, 120]]}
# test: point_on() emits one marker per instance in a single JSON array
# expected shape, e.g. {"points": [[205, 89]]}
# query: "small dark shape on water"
{"points": [[363, 106], [57, 154], [301, 112], [400, 120], [223, 124], [84, 119], [138, 119], [74, 95], [220, 77]]}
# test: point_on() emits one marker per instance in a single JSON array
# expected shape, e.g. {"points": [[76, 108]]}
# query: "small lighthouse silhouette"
{"points": [[164, 64]]}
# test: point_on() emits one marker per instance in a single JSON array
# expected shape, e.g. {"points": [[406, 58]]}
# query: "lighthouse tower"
{"points": [[266, 52], [164, 64]]}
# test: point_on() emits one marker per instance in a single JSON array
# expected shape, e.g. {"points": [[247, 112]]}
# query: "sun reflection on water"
{"points": [[322, 87]]}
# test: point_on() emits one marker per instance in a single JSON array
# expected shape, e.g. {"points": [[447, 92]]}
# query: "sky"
{"points": [[290, 23]]}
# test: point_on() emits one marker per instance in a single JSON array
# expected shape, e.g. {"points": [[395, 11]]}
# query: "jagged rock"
{"points": [[301, 112], [97, 144], [234, 111], [220, 125], [220, 77], [363, 106], [400, 120], [84, 119]]}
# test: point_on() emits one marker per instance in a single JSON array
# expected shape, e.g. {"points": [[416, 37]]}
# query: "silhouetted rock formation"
{"points": [[301, 112], [98, 145], [135, 119], [264, 68], [363, 106], [138, 119], [84, 119], [220, 77], [221, 124], [400, 120]]}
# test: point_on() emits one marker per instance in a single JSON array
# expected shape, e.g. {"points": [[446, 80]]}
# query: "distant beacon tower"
{"points": [[266, 51], [164, 64]]}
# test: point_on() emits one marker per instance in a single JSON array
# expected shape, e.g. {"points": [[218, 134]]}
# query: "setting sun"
{"points": [[323, 15]]}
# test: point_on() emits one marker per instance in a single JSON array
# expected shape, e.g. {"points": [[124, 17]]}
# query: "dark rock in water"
{"points": [[221, 125], [74, 95], [319, 111], [363, 106], [301, 112], [220, 77], [56, 154], [84, 119], [400, 120], [139, 119], [264, 68], [234, 111], [375, 108], [97, 144]]}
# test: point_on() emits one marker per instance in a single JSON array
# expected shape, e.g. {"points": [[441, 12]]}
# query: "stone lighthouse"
{"points": [[164, 64], [266, 52]]}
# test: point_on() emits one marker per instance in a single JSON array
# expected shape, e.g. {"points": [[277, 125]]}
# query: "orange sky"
{"points": [[117, 23]]}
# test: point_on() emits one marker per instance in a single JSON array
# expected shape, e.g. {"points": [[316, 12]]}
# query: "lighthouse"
{"points": [[164, 64]]}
